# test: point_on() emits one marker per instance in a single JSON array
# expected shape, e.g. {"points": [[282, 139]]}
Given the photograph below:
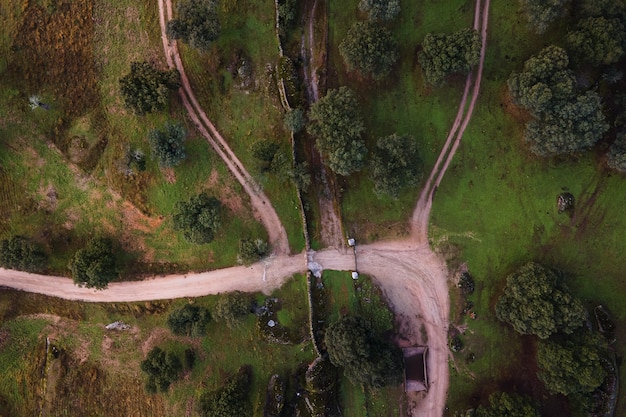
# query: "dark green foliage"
{"points": [[264, 151], [541, 13], [598, 40], [294, 120], [287, 13], [571, 126], [146, 89], [337, 123], [233, 307], [565, 121], [456, 344], [544, 82], [445, 54], [162, 368], [135, 161], [365, 358], [502, 404], [94, 266], [300, 176], [22, 254], [606, 8], [197, 23], [231, 400], [199, 218], [616, 158], [573, 364], [321, 375], [167, 144], [189, 320], [466, 283], [537, 301], [251, 250], [380, 9], [396, 164], [370, 49]]}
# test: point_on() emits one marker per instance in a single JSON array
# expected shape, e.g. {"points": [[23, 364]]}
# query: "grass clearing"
{"points": [[496, 210]]}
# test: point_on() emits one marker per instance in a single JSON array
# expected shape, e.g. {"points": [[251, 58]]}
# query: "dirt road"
{"points": [[263, 209], [413, 277]]}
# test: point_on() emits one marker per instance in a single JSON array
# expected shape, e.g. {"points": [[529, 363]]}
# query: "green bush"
{"points": [[189, 320], [22, 254], [95, 265], [233, 307], [167, 144], [199, 218], [162, 368], [146, 89]]}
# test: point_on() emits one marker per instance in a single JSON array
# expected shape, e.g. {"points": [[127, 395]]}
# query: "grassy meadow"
{"points": [[496, 207]]}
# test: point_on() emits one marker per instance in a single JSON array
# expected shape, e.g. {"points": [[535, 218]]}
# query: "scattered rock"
{"points": [[565, 202], [117, 325]]}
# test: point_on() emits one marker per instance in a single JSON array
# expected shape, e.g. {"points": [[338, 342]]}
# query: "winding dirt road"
{"points": [[413, 277], [263, 209]]}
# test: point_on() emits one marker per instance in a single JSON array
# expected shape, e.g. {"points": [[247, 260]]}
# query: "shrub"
{"points": [[189, 320], [95, 265], [22, 254], [233, 307], [198, 218], [251, 250], [162, 368], [146, 89], [167, 144]]}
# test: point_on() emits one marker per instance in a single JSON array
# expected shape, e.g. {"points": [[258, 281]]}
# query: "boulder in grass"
{"points": [[565, 202]]}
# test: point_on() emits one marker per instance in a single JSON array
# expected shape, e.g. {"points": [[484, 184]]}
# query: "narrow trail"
{"points": [[263, 209], [412, 276]]}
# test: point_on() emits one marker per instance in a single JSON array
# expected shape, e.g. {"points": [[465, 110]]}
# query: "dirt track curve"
{"points": [[413, 277]]}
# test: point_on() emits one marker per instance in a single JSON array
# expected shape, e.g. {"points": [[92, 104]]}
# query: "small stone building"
{"points": [[415, 368]]}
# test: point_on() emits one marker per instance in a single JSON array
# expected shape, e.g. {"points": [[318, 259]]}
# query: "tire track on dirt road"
{"points": [[263, 209]]}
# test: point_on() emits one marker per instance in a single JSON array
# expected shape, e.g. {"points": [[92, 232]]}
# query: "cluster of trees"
{"points": [[370, 49], [22, 254], [145, 89], [541, 13], [338, 125], [167, 144], [444, 54], [95, 265], [364, 356], [232, 308], [565, 120], [570, 357], [229, 400], [197, 23], [189, 320], [163, 368], [395, 164], [199, 218], [251, 250], [503, 404], [384, 10], [537, 301], [336, 122]]}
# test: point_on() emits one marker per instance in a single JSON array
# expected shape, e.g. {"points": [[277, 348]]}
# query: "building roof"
{"points": [[415, 369]]}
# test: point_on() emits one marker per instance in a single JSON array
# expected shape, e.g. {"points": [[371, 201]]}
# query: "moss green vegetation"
{"points": [[361, 297], [235, 84], [64, 165], [77, 331]]}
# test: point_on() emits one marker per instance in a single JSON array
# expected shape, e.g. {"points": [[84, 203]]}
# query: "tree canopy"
{"points": [[380, 9], [167, 144], [162, 368], [251, 250], [229, 400], [337, 124], [502, 404], [537, 301], [294, 120], [444, 54], [196, 24], [565, 120], [22, 254], [146, 89], [572, 365], [94, 266], [189, 320], [233, 307], [598, 40], [199, 218], [541, 13], [370, 49], [364, 356], [396, 164], [616, 158]]}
